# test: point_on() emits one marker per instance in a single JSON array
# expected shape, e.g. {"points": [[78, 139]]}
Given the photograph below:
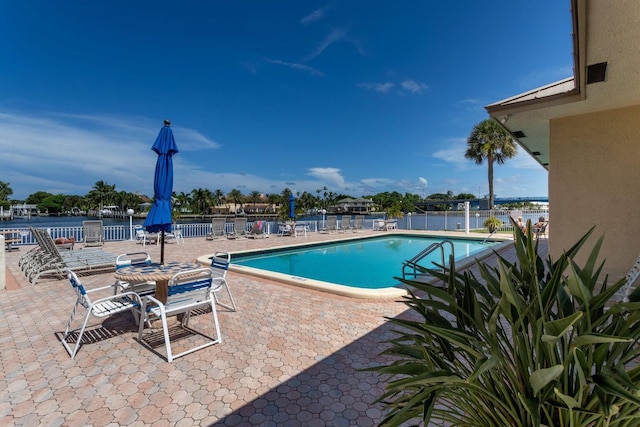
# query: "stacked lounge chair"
{"points": [[48, 260]]}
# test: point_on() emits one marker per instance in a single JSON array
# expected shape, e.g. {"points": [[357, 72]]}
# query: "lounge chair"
{"points": [[358, 223], [345, 223], [92, 231], [332, 223], [239, 229], [50, 261], [257, 230], [217, 228]]}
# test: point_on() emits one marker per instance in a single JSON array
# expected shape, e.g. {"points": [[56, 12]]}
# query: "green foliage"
{"points": [[5, 192], [534, 342], [492, 223], [53, 203]]}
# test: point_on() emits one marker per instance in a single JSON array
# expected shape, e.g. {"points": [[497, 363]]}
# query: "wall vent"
{"points": [[596, 72], [518, 134]]}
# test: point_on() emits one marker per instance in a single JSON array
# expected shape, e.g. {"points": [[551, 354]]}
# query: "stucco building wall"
{"points": [[594, 180]]}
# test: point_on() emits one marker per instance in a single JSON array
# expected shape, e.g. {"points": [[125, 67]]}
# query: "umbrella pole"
{"points": [[162, 247]]}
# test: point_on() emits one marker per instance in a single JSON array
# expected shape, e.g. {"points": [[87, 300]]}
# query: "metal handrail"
{"points": [[413, 262]]}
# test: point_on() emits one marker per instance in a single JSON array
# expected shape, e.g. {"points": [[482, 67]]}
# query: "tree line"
{"points": [[488, 141]]}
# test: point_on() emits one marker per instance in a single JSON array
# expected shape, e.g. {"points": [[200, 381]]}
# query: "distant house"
{"points": [[585, 130], [360, 205]]}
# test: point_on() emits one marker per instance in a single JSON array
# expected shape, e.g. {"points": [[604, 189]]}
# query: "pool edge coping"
{"points": [[348, 291]]}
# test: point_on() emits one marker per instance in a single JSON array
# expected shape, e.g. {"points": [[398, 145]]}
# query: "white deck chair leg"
{"points": [[223, 283]]}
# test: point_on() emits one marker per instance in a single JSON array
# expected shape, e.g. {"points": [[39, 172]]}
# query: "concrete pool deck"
{"points": [[289, 356]]}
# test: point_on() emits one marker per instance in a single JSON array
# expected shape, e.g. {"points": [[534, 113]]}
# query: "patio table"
{"points": [[160, 273]]}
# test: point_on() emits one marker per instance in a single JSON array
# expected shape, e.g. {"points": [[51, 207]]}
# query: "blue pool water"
{"points": [[365, 263]]}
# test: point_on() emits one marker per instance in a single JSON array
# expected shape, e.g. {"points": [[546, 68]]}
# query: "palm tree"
{"points": [[199, 197], [273, 199], [254, 198], [218, 197], [102, 193], [237, 197], [491, 142], [5, 191]]}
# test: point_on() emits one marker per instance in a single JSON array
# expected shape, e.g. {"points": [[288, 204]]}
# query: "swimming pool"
{"points": [[362, 267]]}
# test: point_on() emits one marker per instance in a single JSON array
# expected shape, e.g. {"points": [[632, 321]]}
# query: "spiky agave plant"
{"points": [[531, 343]]}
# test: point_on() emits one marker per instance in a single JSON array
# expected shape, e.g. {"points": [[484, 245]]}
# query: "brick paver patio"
{"points": [[289, 356]]}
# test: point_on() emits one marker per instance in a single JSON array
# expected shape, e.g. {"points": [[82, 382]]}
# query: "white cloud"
{"points": [[454, 153], [316, 15], [334, 36], [332, 176], [299, 67], [413, 86], [423, 181], [68, 153], [377, 87]]}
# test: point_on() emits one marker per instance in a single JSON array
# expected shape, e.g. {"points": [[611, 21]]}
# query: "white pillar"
{"points": [[3, 278], [466, 217]]}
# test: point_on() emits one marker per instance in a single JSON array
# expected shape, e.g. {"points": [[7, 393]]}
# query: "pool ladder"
{"points": [[411, 267]]}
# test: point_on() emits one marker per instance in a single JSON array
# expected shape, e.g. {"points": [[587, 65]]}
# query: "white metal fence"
{"points": [[433, 221]]}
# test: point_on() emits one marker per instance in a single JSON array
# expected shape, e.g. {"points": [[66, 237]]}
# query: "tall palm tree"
{"points": [[273, 199], [102, 193], [199, 197], [218, 197], [237, 197], [489, 141], [254, 198]]}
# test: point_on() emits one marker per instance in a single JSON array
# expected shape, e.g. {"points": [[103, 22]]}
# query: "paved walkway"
{"points": [[289, 356]]}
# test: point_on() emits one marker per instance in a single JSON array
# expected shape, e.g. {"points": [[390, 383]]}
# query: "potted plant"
{"points": [[533, 342], [492, 223]]}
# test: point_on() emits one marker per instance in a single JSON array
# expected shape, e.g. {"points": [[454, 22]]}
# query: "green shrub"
{"points": [[492, 223], [532, 343]]}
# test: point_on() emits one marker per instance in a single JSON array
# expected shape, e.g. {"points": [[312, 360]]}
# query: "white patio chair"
{"points": [[102, 307], [175, 235], [284, 230], [219, 267], [300, 229], [127, 260], [188, 290]]}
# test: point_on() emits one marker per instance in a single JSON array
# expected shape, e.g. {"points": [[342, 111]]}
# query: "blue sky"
{"points": [[358, 96]]}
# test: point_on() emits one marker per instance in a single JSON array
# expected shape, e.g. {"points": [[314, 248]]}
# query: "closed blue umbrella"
{"points": [[292, 207], [159, 218]]}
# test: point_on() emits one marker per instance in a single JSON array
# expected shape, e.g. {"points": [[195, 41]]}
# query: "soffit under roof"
{"points": [[602, 32]]}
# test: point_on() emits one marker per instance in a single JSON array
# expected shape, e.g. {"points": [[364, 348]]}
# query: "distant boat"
{"points": [[76, 212]]}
